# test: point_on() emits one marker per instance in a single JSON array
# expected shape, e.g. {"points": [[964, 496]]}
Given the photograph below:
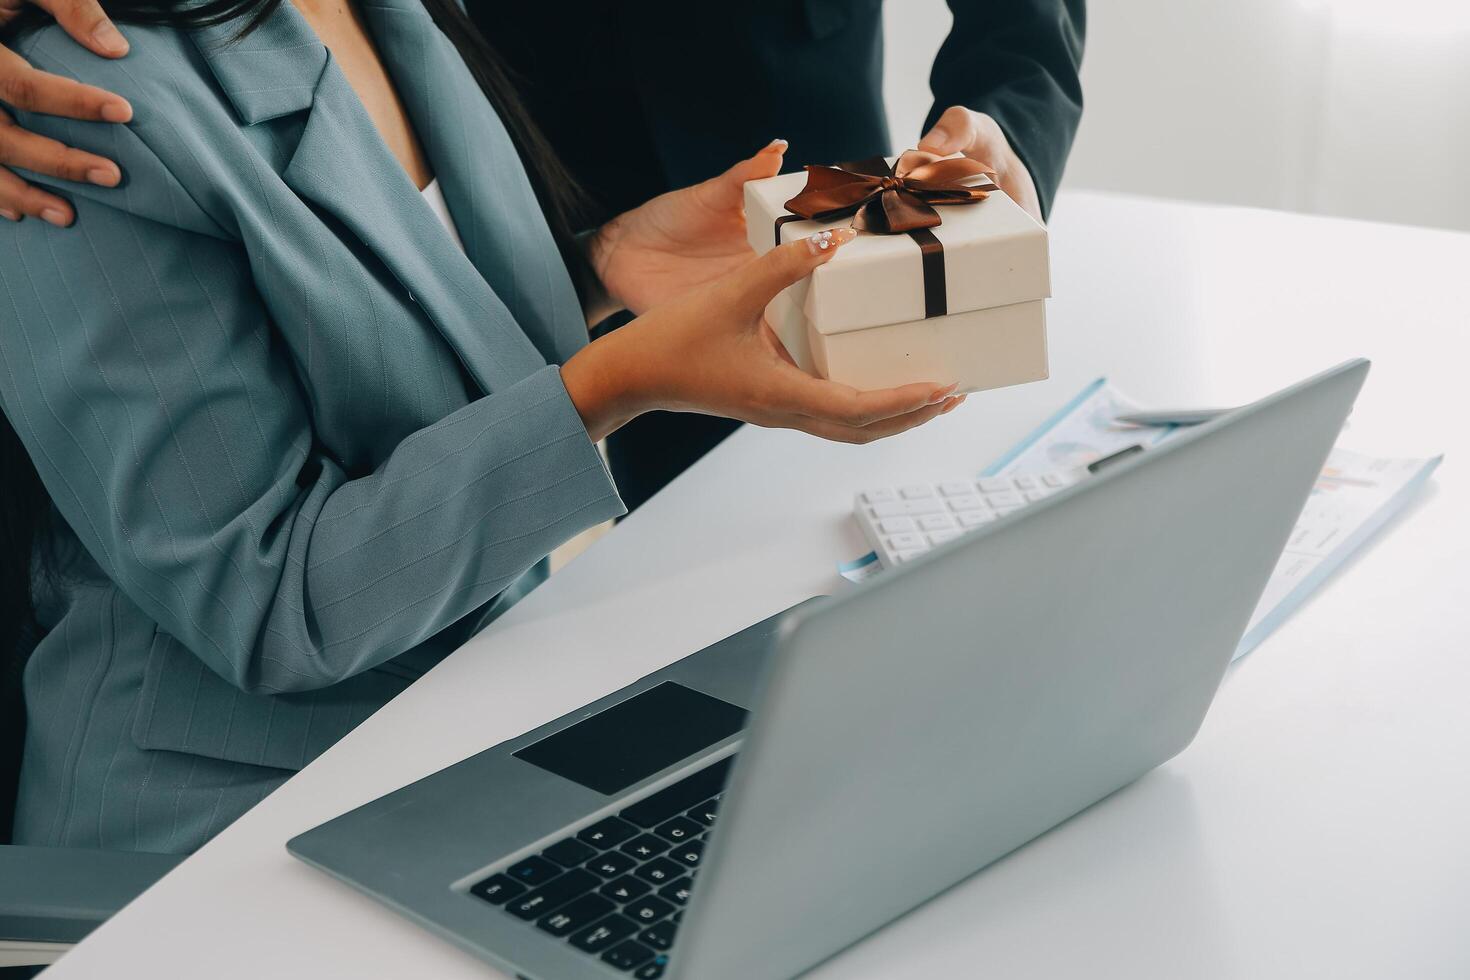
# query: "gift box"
{"points": [[945, 282]]}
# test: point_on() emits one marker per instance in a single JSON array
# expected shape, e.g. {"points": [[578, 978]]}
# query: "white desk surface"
{"points": [[1318, 827]]}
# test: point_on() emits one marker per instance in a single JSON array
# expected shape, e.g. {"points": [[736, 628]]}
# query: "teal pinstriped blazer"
{"points": [[302, 445]]}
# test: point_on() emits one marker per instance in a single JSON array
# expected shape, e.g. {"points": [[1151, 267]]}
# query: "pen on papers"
{"points": [[1183, 416], [1116, 457]]}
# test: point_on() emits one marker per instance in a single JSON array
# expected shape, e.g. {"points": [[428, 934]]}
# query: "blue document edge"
{"points": [[1041, 430], [857, 564], [1293, 600], [1319, 575]]}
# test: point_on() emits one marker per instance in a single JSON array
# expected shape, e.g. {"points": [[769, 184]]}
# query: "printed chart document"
{"points": [[1354, 497]]}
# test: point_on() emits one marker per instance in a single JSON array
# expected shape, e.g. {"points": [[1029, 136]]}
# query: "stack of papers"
{"points": [[1354, 497]]}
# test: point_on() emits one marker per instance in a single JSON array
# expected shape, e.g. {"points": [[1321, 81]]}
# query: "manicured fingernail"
{"points": [[826, 241], [109, 39], [940, 394], [117, 112], [937, 137], [954, 403], [55, 217], [9, 215], [775, 144], [103, 177]]}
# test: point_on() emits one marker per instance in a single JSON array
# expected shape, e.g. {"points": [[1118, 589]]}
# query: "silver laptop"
{"points": [[754, 808]]}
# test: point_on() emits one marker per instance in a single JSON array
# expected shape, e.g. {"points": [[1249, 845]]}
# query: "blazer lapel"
{"points": [[342, 166], [494, 208]]}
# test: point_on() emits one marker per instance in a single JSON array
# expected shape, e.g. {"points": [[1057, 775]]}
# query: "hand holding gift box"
{"points": [[955, 296]]}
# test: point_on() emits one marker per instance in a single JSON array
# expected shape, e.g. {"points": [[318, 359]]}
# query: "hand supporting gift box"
{"points": [[904, 302]]}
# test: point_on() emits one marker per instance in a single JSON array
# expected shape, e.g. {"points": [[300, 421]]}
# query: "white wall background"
{"points": [[1358, 108]]}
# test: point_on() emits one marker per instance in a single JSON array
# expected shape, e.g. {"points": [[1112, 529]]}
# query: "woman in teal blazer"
{"points": [[298, 443]]}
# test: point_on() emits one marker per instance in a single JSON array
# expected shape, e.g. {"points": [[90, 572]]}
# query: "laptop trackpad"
{"points": [[632, 740]]}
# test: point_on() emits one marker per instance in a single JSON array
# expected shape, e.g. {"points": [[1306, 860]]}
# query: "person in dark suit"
{"points": [[307, 402], [641, 96]]}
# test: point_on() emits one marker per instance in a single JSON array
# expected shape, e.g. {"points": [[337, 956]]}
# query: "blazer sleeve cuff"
{"points": [[597, 493]]}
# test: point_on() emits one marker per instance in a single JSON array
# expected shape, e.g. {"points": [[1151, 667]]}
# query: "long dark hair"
{"points": [[25, 507], [25, 517]]}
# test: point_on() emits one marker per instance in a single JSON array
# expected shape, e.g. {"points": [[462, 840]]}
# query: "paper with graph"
{"points": [[1354, 497]]}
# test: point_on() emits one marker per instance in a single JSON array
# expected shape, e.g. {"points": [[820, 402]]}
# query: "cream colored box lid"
{"points": [[995, 254]]}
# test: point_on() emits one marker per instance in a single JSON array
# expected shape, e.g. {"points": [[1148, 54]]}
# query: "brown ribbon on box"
{"points": [[894, 200]]}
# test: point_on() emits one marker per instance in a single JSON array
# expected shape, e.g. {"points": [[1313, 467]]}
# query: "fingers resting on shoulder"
{"points": [[85, 20], [23, 87]]}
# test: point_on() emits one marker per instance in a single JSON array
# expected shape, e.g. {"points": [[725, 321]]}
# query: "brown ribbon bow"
{"points": [[894, 200], [890, 200]]}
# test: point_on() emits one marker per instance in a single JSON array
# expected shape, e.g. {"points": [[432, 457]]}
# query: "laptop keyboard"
{"points": [[617, 888]]}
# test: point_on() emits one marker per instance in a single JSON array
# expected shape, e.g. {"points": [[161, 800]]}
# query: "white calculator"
{"points": [[901, 523]]}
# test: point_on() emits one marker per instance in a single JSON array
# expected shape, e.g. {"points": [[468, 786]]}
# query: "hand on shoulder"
{"points": [[26, 88]]}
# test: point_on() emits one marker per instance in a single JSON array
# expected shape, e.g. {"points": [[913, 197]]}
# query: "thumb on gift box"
{"points": [[953, 132], [759, 282]]}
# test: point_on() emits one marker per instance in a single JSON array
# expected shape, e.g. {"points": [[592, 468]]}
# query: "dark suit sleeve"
{"points": [[1018, 61]]}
